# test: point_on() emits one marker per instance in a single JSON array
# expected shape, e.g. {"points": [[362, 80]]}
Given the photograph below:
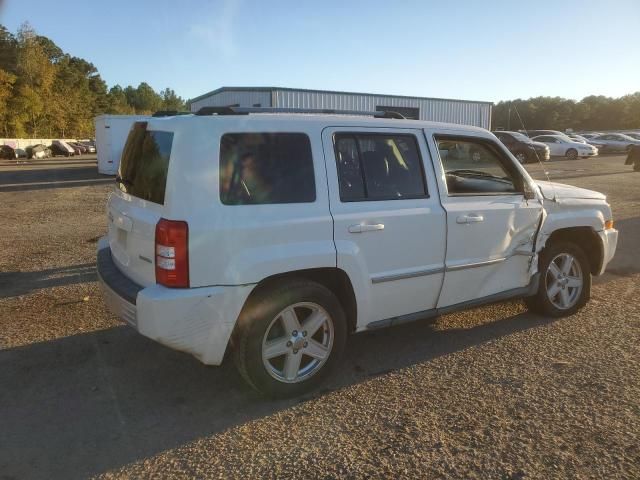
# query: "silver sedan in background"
{"points": [[613, 142]]}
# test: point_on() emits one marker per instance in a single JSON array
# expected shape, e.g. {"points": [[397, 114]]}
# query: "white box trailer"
{"points": [[111, 135]]}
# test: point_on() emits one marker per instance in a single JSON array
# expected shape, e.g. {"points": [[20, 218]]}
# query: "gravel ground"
{"points": [[490, 393]]}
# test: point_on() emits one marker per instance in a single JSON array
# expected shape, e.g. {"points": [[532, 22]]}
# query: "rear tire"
{"points": [[289, 337], [571, 154], [564, 288]]}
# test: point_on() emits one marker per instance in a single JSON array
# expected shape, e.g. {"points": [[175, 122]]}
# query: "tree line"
{"points": [[556, 113], [45, 92]]}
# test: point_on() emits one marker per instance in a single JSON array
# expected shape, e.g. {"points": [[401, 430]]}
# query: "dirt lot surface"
{"points": [[491, 393]]}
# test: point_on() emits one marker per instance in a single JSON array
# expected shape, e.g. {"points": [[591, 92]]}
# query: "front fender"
{"points": [[570, 213]]}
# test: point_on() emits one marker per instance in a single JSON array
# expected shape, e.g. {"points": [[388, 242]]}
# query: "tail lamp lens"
{"points": [[172, 253]]}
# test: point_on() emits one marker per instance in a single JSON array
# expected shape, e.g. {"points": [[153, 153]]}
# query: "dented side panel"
{"points": [[492, 255], [563, 213]]}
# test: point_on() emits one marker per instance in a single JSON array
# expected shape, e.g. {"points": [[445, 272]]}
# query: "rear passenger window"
{"points": [[264, 168], [379, 167]]}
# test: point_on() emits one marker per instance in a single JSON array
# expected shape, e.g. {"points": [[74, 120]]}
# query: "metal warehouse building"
{"points": [[418, 108]]}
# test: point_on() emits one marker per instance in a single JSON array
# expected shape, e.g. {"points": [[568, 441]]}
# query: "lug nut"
{"points": [[295, 351], [306, 344], [289, 344], [304, 334], [294, 333]]}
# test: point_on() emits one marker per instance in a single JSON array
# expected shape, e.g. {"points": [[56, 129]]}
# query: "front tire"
{"points": [[571, 154], [565, 281], [289, 337]]}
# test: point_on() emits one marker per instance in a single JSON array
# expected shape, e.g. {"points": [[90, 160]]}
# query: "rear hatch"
{"points": [[138, 202]]}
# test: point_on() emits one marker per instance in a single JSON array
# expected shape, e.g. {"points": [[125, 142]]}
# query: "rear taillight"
{"points": [[172, 253]]}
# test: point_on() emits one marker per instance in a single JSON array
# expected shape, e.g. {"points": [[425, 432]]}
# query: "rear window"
{"points": [[266, 168], [145, 162]]}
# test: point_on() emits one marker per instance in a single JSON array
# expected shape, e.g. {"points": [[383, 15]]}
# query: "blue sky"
{"points": [[480, 50]]}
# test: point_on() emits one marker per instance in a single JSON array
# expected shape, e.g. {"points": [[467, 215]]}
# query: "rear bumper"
{"points": [[198, 321], [120, 293], [609, 243]]}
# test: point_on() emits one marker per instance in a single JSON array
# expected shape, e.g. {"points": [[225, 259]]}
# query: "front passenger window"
{"points": [[476, 167]]}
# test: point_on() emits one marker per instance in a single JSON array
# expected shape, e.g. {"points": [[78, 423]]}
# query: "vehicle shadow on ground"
{"points": [[112, 397], [13, 284]]}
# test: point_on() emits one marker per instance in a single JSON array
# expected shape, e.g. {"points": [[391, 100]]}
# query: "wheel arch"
{"points": [[333, 278], [566, 153], [587, 239]]}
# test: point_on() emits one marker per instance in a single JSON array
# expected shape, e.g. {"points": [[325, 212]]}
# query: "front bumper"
{"points": [[609, 240], [198, 321]]}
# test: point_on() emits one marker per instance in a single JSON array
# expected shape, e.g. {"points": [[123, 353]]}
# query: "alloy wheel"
{"points": [[564, 281], [297, 342]]}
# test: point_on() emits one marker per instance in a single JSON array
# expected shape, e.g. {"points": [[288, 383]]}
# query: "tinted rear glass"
{"points": [[379, 167], [145, 162], [263, 168]]}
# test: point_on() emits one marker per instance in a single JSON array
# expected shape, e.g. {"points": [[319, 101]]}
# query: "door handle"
{"points": [[471, 218], [366, 228]]}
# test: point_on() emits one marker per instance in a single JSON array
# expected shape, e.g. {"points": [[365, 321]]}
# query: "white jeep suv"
{"points": [[275, 235]]}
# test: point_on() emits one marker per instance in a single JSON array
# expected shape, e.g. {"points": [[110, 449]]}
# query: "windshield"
{"points": [[624, 136], [145, 162], [521, 137]]}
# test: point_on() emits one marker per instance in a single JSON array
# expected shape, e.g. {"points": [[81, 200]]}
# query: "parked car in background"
{"points": [[78, 148], [577, 138], [590, 135], [563, 146], [20, 153], [38, 151], [614, 142], [90, 147], [60, 147], [635, 135], [7, 152], [403, 220], [523, 148], [536, 133]]}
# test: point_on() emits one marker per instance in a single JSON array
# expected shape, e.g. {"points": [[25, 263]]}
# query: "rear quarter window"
{"points": [[145, 163], [266, 168]]}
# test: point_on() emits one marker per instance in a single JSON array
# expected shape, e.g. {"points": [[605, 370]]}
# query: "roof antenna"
{"points": [[546, 174]]}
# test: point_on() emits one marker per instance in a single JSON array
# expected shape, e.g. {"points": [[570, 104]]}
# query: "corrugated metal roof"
{"points": [[286, 89]]}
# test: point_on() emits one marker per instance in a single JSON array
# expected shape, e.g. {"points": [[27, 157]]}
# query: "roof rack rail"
{"points": [[169, 113], [317, 111]]}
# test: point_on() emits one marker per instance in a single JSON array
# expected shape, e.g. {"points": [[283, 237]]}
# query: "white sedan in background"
{"points": [[560, 146]]}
